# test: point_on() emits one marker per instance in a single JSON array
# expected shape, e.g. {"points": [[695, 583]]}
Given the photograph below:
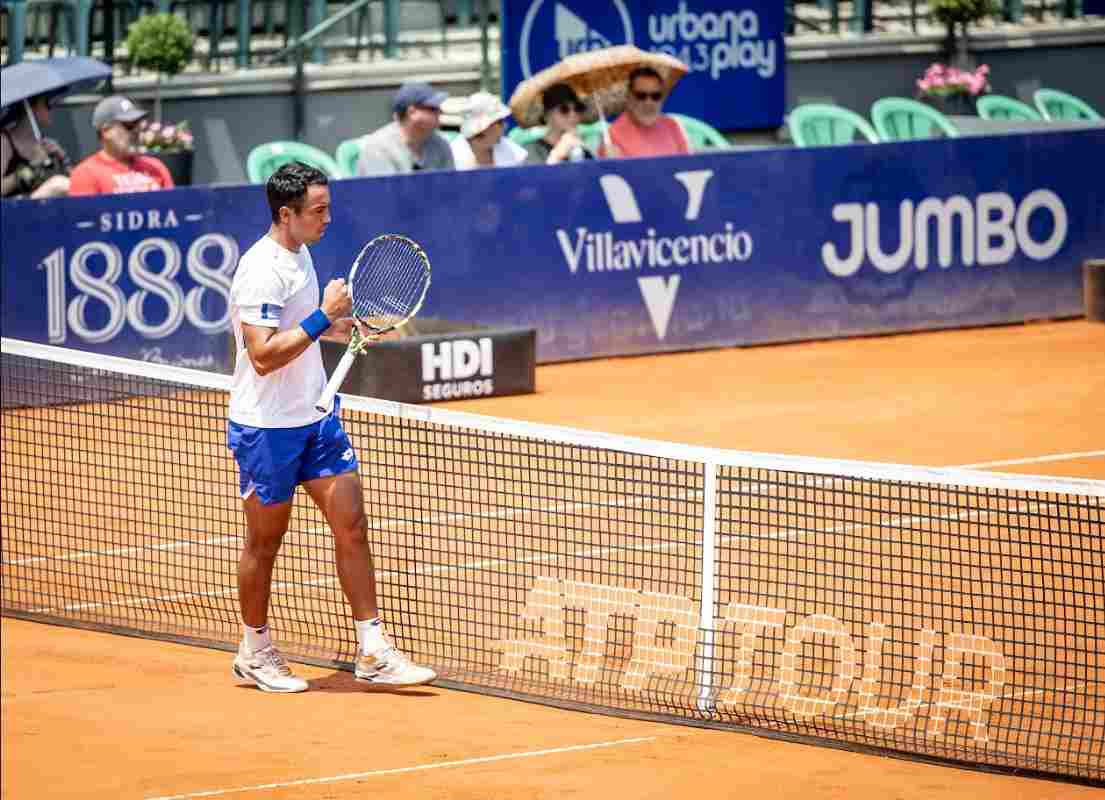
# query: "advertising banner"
{"points": [[606, 258], [734, 49]]}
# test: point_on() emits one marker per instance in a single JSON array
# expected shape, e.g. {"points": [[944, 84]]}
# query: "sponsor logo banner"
{"points": [[606, 258], [733, 49]]}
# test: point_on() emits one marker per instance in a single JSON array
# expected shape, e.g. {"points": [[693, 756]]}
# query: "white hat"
{"points": [[482, 111]]}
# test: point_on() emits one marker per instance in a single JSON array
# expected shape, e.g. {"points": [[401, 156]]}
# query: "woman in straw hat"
{"points": [[481, 142], [562, 112]]}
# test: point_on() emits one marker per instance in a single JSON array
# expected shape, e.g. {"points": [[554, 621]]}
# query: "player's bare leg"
{"points": [[265, 529], [341, 501], [259, 661]]}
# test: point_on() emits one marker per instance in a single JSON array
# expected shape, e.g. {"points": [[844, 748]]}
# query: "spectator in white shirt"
{"points": [[481, 142]]}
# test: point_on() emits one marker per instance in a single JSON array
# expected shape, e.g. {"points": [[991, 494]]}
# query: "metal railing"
{"points": [[248, 32]]}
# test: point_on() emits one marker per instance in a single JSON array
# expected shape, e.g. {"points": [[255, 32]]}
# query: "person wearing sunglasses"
{"points": [[118, 167], [643, 129], [563, 111]]}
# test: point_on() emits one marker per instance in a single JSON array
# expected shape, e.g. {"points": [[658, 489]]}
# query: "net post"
{"points": [[708, 611]]}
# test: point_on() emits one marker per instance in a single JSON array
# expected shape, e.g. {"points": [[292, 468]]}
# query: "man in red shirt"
{"points": [[643, 130], [118, 167]]}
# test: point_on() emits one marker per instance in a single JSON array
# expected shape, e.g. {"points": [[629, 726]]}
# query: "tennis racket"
{"points": [[387, 283]]}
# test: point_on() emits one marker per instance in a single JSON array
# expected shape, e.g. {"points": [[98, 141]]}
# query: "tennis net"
{"points": [[935, 613]]}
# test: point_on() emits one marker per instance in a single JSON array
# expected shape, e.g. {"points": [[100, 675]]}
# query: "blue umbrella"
{"points": [[53, 76]]}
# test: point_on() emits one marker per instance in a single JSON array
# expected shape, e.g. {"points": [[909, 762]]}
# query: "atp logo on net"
{"points": [[642, 248], [576, 26]]}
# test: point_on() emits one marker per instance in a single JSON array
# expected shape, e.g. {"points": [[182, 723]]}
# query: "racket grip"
{"points": [[326, 399]]}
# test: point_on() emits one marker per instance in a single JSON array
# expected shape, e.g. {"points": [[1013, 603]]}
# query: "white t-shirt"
{"points": [[275, 288], [505, 153]]}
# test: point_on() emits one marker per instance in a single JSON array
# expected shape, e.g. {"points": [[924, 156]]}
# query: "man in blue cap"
{"points": [[410, 142]]}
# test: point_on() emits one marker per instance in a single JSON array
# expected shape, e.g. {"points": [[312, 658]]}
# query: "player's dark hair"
{"points": [[644, 72], [288, 186]]}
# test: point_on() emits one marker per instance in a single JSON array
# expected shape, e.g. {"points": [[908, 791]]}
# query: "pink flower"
{"points": [[169, 132]]}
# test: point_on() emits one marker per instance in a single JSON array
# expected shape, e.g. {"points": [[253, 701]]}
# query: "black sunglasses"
{"points": [[567, 108], [655, 97]]}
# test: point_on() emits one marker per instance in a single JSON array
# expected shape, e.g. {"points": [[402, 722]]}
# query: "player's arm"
{"points": [[270, 349]]}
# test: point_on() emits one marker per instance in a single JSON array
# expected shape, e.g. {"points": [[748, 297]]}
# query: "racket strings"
{"points": [[389, 282]]}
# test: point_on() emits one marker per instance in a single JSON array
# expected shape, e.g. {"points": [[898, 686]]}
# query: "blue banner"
{"points": [[610, 257], [735, 50]]}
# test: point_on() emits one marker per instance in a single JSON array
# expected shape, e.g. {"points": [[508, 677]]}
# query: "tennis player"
{"points": [[280, 441]]}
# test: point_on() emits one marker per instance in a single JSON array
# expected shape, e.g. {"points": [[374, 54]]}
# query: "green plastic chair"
{"points": [[589, 132], [265, 159], [1054, 104], [822, 124], [899, 118], [700, 135], [523, 136], [347, 155], [996, 106]]}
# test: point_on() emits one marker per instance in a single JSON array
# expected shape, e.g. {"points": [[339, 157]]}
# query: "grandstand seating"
{"points": [[347, 155], [1054, 104], [700, 135], [265, 159], [900, 118], [996, 106], [819, 124]]}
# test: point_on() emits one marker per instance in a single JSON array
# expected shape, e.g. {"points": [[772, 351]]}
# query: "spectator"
{"points": [[562, 112], [481, 142], [118, 167], [643, 129], [30, 165], [410, 142]]}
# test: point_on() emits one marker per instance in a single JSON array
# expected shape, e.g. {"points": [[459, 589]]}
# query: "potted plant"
{"points": [[163, 43], [956, 15], [953, 90]]}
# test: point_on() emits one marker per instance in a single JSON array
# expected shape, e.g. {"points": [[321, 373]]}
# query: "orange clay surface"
{"points": [[99, 716]]}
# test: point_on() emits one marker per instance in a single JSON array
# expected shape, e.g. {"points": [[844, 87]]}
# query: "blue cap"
{"points": [[417, 94]]}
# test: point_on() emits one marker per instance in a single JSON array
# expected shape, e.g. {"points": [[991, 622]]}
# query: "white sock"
{"points": [[370, 635], [257, 638]]}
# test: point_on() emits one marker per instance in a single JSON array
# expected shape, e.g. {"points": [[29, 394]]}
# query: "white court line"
{"points": [[379, 523], [81, 555], [448, 517], [1010, 462], [400, 770], [441, 569]]}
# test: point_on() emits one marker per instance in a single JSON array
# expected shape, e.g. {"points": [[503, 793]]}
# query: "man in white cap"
{"points": [[410, 142], [481, 142], [118, 167]]}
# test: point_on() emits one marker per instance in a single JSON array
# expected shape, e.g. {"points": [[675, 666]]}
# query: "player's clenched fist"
{"points": [[336, 302]]}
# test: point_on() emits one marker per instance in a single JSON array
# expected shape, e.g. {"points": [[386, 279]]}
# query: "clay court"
{"points": [[89, 714]]}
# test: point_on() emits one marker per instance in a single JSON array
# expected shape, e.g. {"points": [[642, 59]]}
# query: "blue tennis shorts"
{"points": [[273, 461]]}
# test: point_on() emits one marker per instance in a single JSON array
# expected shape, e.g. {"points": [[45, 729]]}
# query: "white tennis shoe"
{"points": [[267, 669], [390, 669]]}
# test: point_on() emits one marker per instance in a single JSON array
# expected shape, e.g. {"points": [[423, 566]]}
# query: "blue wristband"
{"points": [[316, 324]]}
